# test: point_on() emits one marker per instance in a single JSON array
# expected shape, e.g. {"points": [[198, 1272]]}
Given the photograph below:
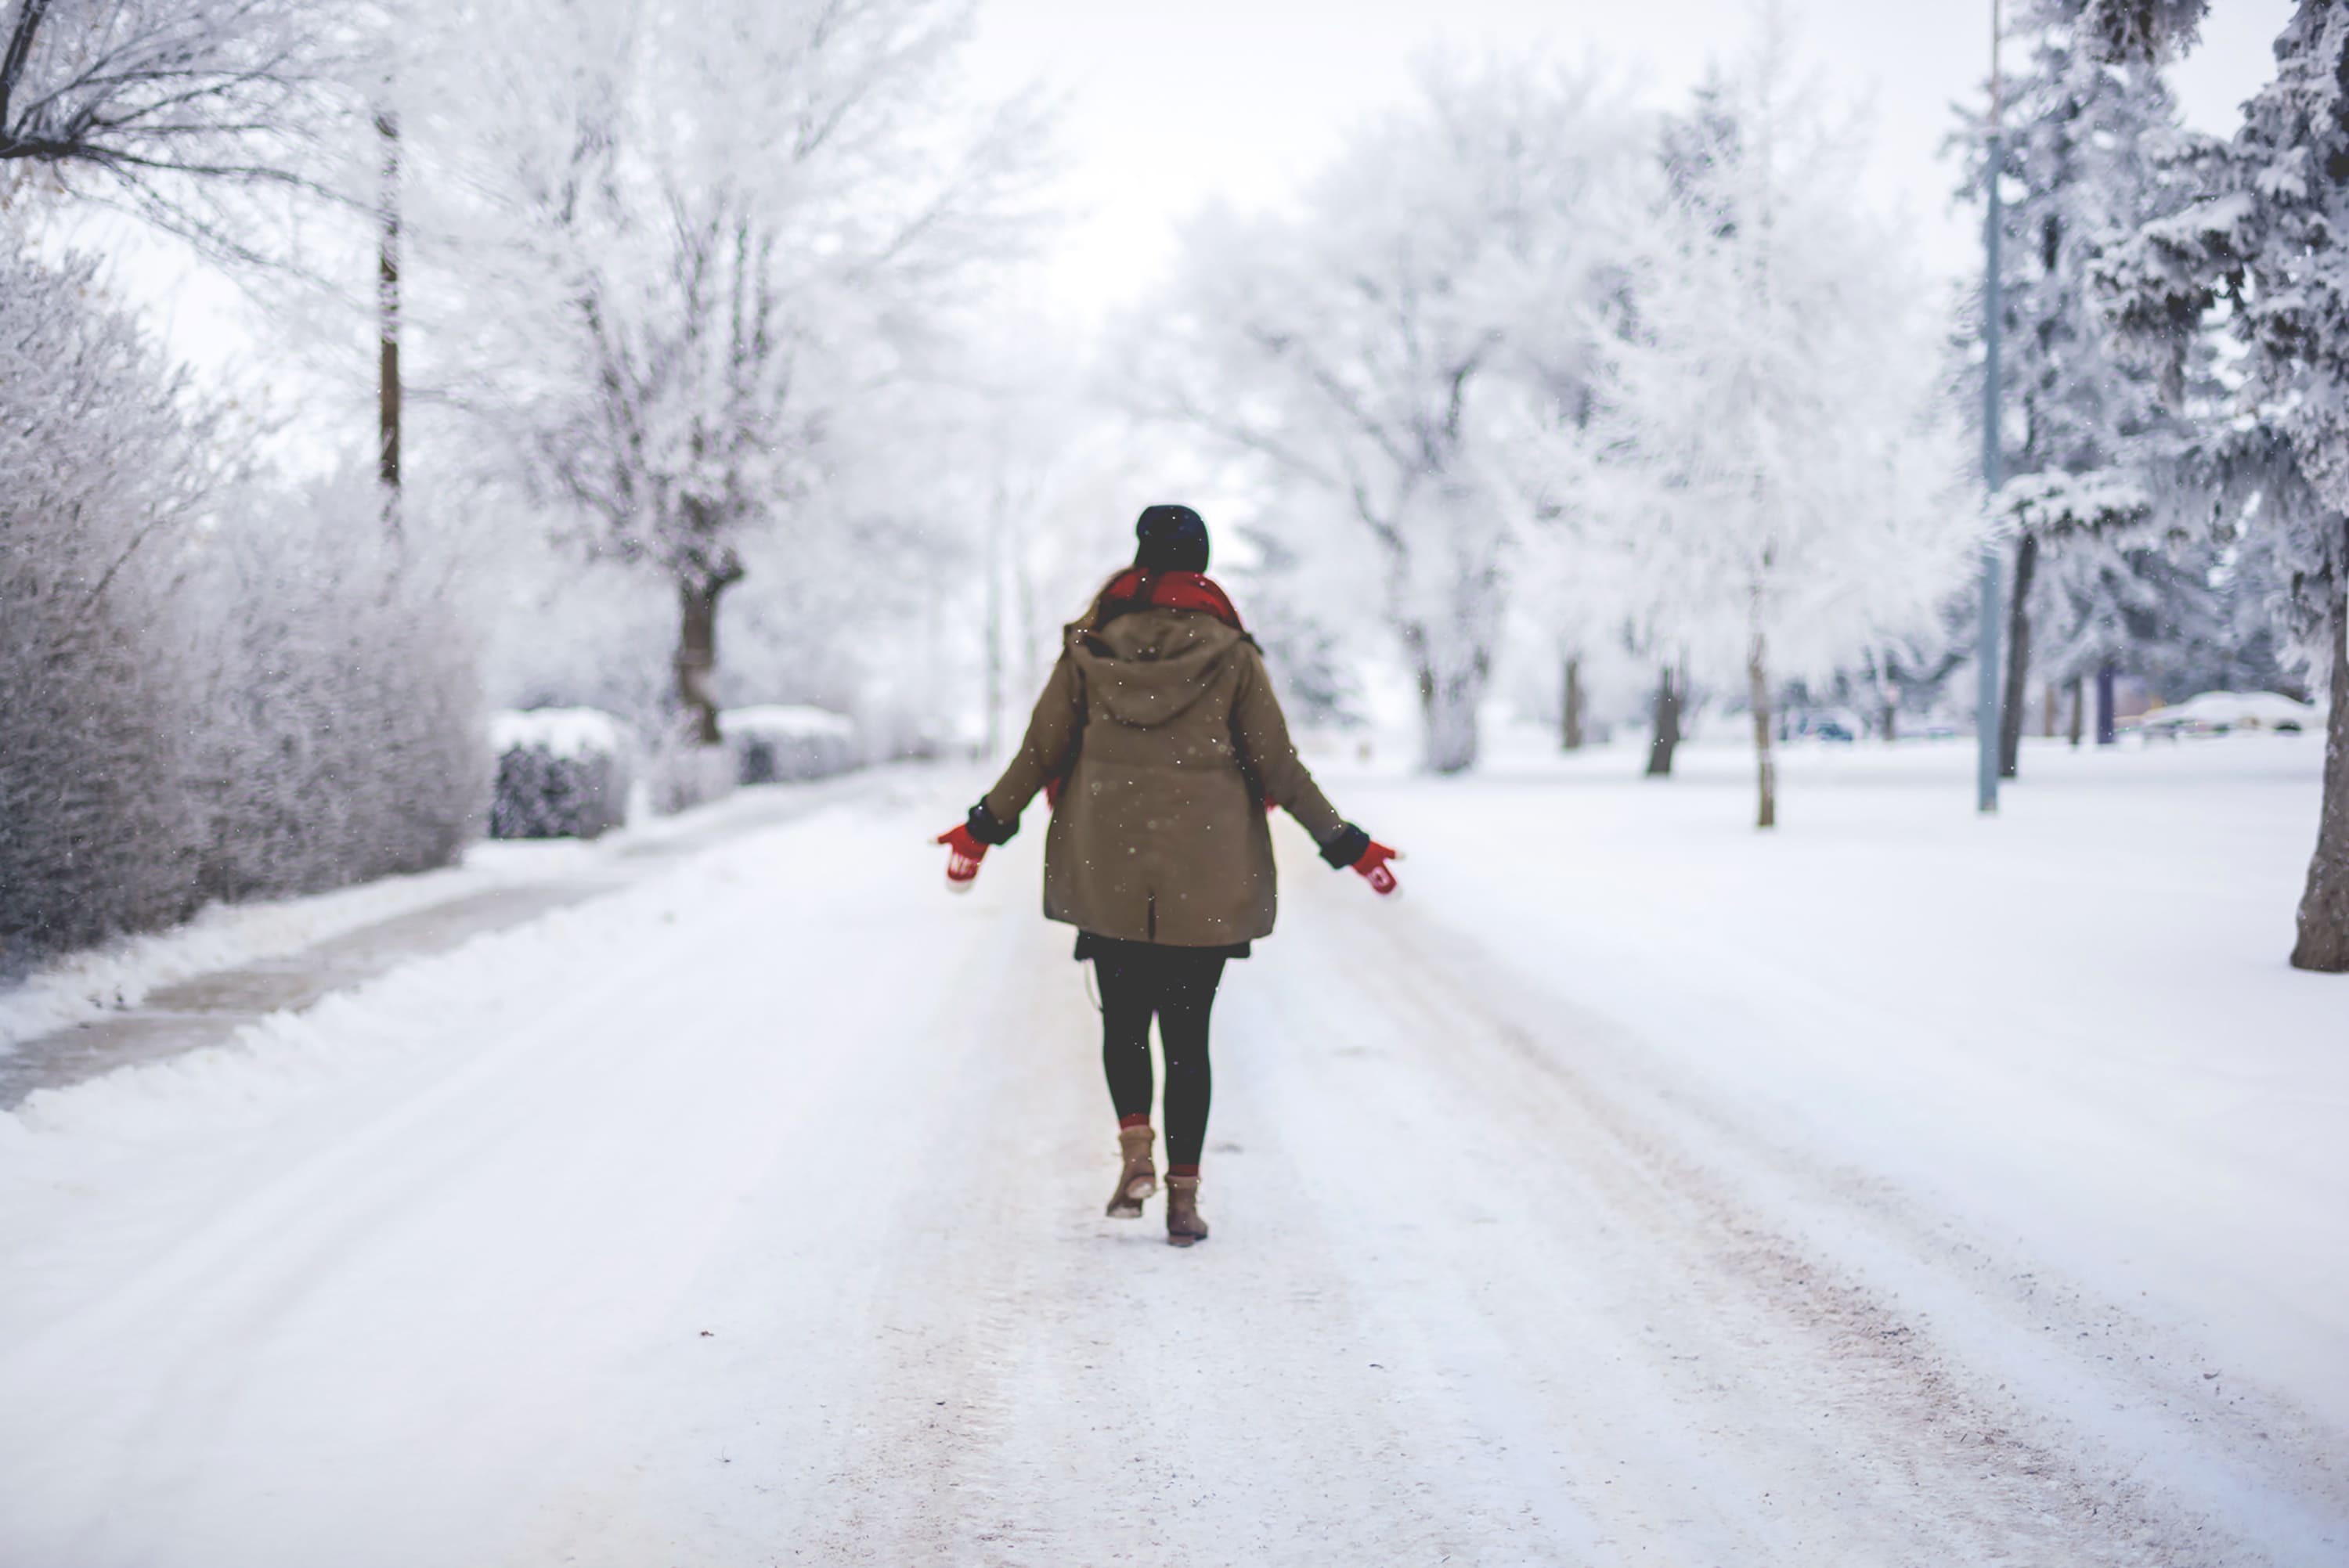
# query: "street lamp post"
{"points": [[1988, 690]]}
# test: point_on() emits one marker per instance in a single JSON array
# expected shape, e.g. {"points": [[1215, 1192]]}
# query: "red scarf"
{"points": [[1173, 590]]}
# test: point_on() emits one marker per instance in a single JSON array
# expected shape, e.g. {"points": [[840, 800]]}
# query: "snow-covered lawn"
{"points": [[2073, 1024], [1901, 1188]]}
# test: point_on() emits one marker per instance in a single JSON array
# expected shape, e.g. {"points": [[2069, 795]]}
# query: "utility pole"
{"points": [[1987, 713], [387, 300]]}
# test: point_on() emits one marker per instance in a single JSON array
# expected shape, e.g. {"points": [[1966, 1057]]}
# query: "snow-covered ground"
{"points": [[1900, 1189]]}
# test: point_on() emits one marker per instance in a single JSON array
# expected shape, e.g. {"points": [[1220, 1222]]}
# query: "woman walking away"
{"points": [[1162, 747]]}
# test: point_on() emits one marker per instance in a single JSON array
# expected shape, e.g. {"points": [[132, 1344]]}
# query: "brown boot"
{"points": [[1184, 1226], [1139, 1178]]}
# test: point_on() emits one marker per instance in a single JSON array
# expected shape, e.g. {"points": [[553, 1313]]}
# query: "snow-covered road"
{"points": [[751, 1215]]}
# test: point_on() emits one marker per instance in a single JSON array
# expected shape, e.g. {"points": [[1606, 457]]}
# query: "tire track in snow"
{"points": [[1082, 1392]]}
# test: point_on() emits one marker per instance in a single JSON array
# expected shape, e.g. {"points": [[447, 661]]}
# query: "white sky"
{"points": [[1168, 107]]}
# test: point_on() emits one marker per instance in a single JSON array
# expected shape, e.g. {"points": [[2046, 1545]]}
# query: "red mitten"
{"points": [[963, 855], [1374, 870]]}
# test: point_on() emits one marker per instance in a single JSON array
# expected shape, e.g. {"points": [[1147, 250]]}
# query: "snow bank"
{"points": [[87, 985], [95, 980]]}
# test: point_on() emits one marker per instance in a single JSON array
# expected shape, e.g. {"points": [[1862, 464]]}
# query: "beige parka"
{"points": [[1164, 724]]}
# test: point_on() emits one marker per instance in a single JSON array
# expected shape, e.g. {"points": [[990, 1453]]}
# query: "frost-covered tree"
{"points": [[1379, 343], [709, 232], [2083, 165], [165, 104], [2138, 30], [1769, 471], [2264, 241]]}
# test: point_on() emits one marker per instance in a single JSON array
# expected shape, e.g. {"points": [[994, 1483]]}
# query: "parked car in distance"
{"points": [[2228, 712]]}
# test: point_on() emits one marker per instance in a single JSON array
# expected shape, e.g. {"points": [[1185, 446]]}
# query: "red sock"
{"points": [[1189, 1172], [1126, 1122]]}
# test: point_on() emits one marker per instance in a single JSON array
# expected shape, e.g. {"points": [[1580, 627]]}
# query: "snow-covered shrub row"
{"points": [[94, 463], [340, 736], [206, 690], [782, 742], [562, 773], [97, 474]]}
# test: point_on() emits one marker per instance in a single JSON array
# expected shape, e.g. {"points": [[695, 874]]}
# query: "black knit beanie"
{"points": [[1173, 538]]}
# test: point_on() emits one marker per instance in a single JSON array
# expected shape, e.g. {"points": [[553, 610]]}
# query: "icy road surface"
{"points": [[751, 1215]]}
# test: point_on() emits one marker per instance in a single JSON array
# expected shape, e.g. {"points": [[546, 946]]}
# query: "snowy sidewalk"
{"points": [[750, 1215], [211, 1006]]}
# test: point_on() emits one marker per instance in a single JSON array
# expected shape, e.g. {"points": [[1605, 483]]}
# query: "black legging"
{"points": [[1139, 979]]}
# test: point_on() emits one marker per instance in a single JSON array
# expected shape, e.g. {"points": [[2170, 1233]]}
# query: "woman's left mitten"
{"points": [[963, 855], [1376, 869]]}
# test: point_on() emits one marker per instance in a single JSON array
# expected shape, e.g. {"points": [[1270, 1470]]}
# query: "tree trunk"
{"points": [[1571, 738], [697, 654], [1448, 702], [2018, 657], [1765, 765], [2048, 708], [2108, 730], [387, 285], [2324, 944], [2079, 709], [1667, 737]]}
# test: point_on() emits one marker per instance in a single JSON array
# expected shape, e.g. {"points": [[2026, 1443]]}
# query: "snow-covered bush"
{"points": [[341, 724], [562, 773], [206, 690], [778, 744], [98, 481]]}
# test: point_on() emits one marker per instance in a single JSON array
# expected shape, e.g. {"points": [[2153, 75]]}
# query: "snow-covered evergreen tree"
{"points": [[2265, 242], [2083, 165], [2140, 30]]}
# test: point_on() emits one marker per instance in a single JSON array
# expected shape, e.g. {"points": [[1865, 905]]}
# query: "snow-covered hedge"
{"points": [[206, 691], [96, 461], [780, 743], [341, 722], [562, 773]]}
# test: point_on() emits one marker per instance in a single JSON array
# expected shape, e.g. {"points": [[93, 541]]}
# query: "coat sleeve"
{"points": [[1046, 753], [1261, 731]]}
